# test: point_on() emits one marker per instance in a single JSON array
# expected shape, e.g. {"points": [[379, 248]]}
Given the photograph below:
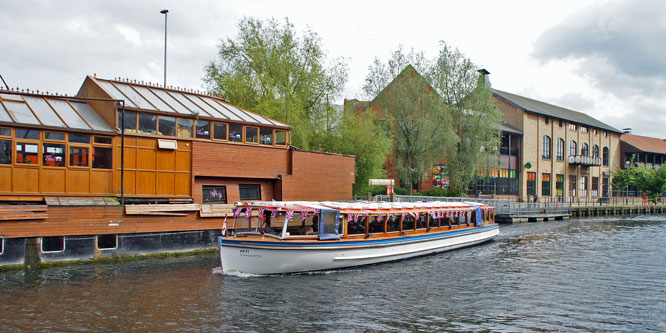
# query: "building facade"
{"points": [[566, 155], [77, 173]]}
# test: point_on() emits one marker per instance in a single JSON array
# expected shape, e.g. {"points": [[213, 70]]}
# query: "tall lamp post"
{"points": [[165, 12]]}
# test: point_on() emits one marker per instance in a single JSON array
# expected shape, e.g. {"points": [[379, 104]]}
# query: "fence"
{"points": [[502, 206]]}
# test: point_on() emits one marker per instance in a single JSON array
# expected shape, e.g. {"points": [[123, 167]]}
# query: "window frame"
{"points": [[606, 156], [245, 128], [547, 147], [560, 151], [573, 147], [226, 131], [203, 197], [241, 187], [41, 245]]}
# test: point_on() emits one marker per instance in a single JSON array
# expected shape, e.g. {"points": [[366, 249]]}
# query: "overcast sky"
{"points": [[604, 58]]}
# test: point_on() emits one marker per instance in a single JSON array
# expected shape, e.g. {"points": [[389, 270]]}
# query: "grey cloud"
{"points": [[628, 34]]}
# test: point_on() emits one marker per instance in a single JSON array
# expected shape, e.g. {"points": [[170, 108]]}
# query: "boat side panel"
{"points": [[275, 260]]}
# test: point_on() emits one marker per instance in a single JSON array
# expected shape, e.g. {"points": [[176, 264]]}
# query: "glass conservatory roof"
{"points": [[55, 111], [155, 98]]}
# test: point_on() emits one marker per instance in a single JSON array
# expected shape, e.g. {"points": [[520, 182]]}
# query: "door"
{"points": [[328, 224]]}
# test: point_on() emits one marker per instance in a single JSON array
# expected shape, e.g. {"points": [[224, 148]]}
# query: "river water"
{"points": [[588, 275]]}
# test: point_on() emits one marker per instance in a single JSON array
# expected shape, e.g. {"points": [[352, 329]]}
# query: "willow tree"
{"points": [[464, 103], [420, 122], [268, 68], [474, 112]]}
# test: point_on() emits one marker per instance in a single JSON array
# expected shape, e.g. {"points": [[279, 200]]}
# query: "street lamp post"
{"points": [[165, 12]]}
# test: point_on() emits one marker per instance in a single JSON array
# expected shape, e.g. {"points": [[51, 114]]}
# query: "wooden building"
{"points": [[67, 167]]}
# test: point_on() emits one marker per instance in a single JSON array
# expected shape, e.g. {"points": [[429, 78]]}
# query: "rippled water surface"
{"points": [[594, 274]]}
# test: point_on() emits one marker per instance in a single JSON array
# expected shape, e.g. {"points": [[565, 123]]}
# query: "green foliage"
{"points": [[270, 70], [461, 115], [362, 137], [650, 181], [440, 192], [421, 124], [400, 191], [267, 68]]}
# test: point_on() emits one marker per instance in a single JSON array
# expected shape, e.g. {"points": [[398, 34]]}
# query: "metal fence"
{"points": [[502, 206]]}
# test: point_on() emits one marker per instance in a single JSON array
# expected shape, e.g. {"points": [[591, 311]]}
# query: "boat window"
{"points": [[393, 223], [408, 222], [272, 226], [357, 227], [422, 221], [433, 222], [375, 225], [328, 227], [301, 227]]}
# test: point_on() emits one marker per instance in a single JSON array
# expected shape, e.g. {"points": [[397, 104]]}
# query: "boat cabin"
{"points": [[358, 220]]}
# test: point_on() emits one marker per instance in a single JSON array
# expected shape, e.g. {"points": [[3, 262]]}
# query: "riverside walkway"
{"points": [[509, 211]]}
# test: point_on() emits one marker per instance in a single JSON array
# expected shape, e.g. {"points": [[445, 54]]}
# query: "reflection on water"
{"points": [[595, 274]]}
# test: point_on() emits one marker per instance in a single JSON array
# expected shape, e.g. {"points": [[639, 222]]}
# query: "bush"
{"points": [[401, 191], [439, 192]]}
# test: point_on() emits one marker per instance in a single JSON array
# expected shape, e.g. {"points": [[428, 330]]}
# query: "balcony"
{"points": [[583, 160]]}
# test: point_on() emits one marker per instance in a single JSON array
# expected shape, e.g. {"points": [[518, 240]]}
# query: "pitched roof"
{"points": [[155, 98], [645, 143], [506, 127], [53, 111], [550, 110]]}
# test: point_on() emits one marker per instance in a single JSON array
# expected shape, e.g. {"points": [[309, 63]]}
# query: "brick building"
{"points": [[566, 155]]}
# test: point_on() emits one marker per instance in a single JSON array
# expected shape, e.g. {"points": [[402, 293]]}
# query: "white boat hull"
{"points": [[286, 257]]}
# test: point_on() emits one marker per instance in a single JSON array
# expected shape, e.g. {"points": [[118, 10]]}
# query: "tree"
{"points": [[361, 136], [650, 181], [420, 122], [268, 69], [475, 115], [465, 104]]}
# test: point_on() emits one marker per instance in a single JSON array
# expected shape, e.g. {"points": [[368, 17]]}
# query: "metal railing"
{"points": [[502, 206]]}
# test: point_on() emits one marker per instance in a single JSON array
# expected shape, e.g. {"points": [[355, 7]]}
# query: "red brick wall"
{"points": [[231, 185], [234, 160], [319, 176]]}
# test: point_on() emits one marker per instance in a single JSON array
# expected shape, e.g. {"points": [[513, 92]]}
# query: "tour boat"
{"points": [[272, 237]]}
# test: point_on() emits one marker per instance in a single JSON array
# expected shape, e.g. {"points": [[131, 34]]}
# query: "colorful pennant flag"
{"points": [[290, 215]]}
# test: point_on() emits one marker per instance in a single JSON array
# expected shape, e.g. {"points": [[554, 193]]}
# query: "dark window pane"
{"points": [[78, 156], [266, 136], [80, 138], [167, 126], [53, 155], [130, 121], [54, 136], [280, 138], [103, 140], [27, 134], [220, 131], [251, 134], [203, 129], [27, 153], [249, 192], [214, 194], [5, 132], [235, 133], [5, 152], [107, 242], [102, 158], [185, 127], [147, 123], [53, 244]]}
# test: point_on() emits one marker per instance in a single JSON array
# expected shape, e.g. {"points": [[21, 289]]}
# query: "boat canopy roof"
{"points": [[359, 206]]}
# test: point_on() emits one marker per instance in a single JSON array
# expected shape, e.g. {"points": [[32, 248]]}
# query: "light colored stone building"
{"points": [[565, 155]]}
